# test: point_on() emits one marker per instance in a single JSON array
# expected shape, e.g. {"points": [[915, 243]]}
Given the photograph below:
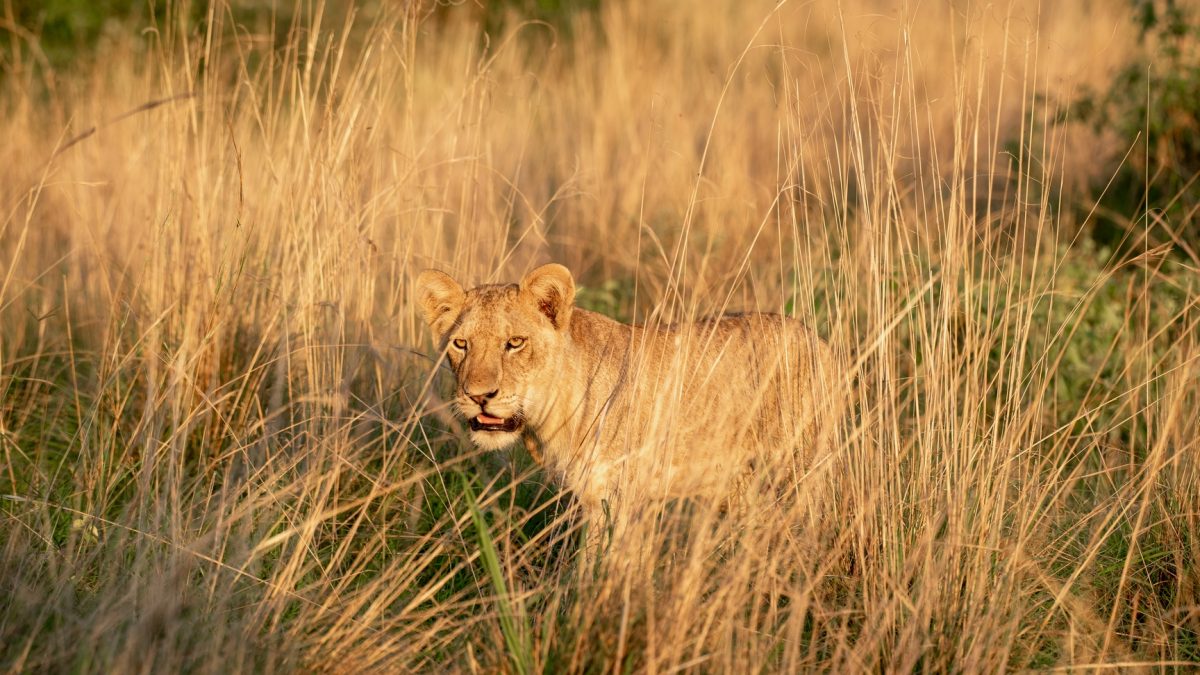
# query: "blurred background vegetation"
{"points": [[1153, 103], [59, 33], [1151, 106]]}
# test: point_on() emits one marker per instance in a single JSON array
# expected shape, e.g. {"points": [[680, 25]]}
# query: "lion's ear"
{"points": [[553, 292], [441, 300]]}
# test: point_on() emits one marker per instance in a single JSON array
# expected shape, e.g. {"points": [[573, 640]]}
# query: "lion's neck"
{"points": [[592, 373]]}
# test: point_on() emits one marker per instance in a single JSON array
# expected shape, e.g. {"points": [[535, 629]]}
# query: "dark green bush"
{"points": [[1155, 100]]}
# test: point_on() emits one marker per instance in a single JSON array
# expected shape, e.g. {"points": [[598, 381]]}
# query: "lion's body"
{"points": [[623, 413], [681, 410]]}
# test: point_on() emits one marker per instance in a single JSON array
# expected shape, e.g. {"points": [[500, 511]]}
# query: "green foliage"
{"points": [[514, 620], [65, 30], [1104, 345], [613, 298], [64, 34], [1155, 100]]}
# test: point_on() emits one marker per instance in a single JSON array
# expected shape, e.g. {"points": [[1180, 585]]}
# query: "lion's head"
{"points": [[504, 344]]}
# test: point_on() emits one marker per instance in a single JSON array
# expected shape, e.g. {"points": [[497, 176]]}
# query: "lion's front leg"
{"points": [[594, 514]]}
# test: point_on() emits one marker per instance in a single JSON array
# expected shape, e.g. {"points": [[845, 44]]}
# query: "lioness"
{"points": [[620, 413]]}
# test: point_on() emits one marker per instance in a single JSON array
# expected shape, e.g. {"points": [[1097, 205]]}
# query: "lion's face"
{"points": [[499, 351], [502, 343]]}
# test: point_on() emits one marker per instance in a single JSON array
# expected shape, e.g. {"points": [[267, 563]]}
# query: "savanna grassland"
{"points": [[223, 442]]}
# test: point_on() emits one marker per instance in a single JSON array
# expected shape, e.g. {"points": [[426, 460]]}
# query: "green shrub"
{"points": [[1155, 100]]}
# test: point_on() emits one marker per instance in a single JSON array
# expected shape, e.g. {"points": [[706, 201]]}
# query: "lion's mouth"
{"points": [[485, 422]]}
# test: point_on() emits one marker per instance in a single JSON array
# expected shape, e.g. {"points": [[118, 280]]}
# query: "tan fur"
{"points": [[622, 413]]}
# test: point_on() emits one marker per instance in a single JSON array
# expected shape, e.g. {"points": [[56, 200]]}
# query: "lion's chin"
{"points": [[495, 439]]}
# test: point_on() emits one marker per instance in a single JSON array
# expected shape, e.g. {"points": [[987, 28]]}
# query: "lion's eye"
{"points": [[515, 343], [460, 344]]}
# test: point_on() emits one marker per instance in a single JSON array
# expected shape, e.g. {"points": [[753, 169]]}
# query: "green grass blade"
{"points": [[514, 622]]}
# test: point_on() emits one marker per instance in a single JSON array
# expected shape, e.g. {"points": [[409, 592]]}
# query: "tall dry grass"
{"points": [[219, 448]]}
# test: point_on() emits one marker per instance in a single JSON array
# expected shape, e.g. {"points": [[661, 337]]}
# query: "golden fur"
{"points": [[621, 413]]}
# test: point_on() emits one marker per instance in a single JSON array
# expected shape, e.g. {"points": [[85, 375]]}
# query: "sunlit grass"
{"points": [[223, 437]]}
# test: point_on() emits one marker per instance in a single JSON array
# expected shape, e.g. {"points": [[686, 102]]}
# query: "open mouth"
{"points": [[484, 422]]}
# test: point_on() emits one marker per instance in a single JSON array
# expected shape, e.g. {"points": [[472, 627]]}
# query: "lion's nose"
{"points": [[482, 398]]}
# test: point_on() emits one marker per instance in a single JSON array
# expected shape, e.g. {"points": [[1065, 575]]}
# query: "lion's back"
{"points": [[702, 399]]}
